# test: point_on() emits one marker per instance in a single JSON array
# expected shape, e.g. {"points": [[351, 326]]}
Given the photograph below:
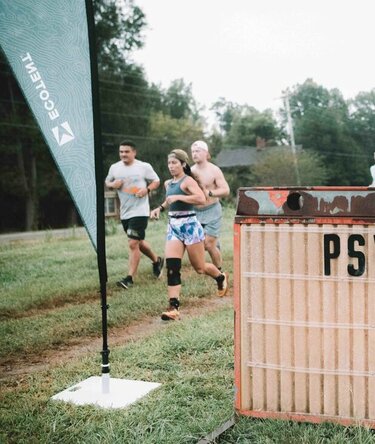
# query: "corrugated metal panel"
{"points": [[305, 321]]}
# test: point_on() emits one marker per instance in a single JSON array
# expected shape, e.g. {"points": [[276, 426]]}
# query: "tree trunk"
{"points": [[73, 218], [32, 196], [28, 176]]}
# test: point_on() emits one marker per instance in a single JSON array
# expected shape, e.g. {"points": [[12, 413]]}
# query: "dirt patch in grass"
{"points": [[21, 366], [59, 301]]}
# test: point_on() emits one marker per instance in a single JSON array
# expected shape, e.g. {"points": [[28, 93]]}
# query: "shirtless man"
{"points": [[215, 186]]}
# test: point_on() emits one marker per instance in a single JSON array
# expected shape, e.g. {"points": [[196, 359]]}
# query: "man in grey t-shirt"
{"points": [[134, 180]]}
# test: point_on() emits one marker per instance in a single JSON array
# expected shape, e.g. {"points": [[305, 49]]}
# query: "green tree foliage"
{"points": [[176, 101], [322, 124], [176, 133], [362, 120], [179, 102], [243, 125], [248, 125], [278, 168], [118, 33], [225, 112]]}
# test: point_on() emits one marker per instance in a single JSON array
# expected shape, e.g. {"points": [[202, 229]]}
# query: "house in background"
{"points": [[248, 156], [111, 204]]}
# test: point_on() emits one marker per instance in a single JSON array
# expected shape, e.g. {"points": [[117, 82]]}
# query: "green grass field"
{"points": [[49, 299]]}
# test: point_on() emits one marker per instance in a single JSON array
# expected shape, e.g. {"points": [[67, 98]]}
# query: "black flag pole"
{"points": [[101, 252]]}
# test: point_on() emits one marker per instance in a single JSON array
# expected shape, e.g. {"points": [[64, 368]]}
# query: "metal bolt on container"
{"points": [[304, 293]]}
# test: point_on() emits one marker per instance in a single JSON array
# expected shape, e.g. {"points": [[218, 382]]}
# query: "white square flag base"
{"points": [[109, 393]]}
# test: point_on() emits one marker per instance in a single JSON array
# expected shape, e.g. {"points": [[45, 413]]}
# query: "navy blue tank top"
{"points": [[174, 188]]}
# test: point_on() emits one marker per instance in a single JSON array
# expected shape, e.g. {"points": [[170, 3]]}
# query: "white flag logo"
{"points": [[63, 136]]}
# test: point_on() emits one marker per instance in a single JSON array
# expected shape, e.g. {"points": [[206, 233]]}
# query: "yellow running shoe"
{"points": [[223, 286], [171, 314]]}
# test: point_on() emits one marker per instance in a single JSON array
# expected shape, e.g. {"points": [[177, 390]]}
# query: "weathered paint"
{"points": [[306, 202]]}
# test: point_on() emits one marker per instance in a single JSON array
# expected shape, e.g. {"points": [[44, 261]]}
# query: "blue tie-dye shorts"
{"points": [[185, 229]]}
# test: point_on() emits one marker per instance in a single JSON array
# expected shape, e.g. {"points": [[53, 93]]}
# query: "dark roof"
{"points": [[246, 156]]}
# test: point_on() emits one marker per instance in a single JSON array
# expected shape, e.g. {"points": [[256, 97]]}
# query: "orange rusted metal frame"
{"points": [[237, 313], [259, 220], [303, 417], [318, 188]]}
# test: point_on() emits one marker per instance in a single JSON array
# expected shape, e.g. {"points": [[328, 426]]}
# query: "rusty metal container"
{"points": [[304, 292]]}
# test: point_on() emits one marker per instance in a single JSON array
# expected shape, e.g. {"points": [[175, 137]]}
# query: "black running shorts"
{"points": [[135, 227]]}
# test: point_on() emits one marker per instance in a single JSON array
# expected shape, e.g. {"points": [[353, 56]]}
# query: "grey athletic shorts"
{"points": [[210, 218]]}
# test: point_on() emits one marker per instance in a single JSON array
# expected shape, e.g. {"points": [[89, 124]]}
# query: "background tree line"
{"points": [[337, 136]]}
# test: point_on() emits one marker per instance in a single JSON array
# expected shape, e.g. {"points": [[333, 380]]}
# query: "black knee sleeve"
{"points": [[173, 271]]}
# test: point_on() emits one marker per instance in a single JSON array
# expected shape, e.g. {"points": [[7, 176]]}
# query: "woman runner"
{"points": [[184, 231]]}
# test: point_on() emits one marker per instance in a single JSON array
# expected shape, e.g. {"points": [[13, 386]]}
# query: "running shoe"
{"points": [[223, 286], [157, 267], [126, 283], [170, 314]]}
